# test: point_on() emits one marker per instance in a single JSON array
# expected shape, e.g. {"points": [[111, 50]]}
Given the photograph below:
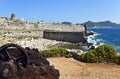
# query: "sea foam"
{"points": [[92, 39]]}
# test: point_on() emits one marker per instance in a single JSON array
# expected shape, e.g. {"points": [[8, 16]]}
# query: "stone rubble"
{"points": [[41, 43]]}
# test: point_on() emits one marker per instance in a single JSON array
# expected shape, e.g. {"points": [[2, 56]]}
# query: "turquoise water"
{"points": [[107, 36]]}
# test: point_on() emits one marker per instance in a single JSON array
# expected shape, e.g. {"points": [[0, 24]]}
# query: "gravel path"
{"points": [[72, 69]]}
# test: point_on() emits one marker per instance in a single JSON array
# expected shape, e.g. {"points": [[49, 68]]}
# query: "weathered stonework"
{"points": [[74, 37], [54, 31], [17, 23]]}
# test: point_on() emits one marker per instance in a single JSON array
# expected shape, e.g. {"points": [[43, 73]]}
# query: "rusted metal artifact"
{"points": [[24, 63]]}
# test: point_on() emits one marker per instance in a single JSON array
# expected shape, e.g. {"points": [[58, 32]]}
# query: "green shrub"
{"points": [[104, 53], [107, 52], [118, 59], [89, 56], [55, 52]]}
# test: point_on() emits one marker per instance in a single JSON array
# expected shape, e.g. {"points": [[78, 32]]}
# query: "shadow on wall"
{"points": [[73, 37]]}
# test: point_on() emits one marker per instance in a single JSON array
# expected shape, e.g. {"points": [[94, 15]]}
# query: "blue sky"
{"points": [[76, 11]]}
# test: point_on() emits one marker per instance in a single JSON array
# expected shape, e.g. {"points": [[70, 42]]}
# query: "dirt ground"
{"points": [[73, 69]]}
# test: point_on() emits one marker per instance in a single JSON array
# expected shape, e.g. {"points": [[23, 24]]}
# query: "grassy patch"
{"points": [[54, 52]]}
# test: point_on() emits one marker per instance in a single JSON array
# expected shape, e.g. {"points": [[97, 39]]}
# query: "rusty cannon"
{"points": [[24, 63]]}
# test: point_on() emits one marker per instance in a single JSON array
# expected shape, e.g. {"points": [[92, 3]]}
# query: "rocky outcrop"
{"points": [[41, 44], [13, 21]]}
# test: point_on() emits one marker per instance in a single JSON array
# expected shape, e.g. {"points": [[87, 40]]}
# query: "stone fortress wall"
{"points": [[13, 23], [54, 31], [74, 37]]}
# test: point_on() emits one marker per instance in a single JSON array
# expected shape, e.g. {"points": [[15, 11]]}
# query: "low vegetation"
{"points": [[118, 59], [49, 30], [54, 52], [104, 53]]}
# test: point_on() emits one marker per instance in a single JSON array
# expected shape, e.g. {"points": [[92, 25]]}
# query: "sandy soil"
{"points": [[72, 69]]}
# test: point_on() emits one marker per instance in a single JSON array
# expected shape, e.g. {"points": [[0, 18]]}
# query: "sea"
{"points": [[109, 36]]}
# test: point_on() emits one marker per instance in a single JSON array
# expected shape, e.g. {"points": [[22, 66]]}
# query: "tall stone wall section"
{"points": [[74, 37], [62, 27]]}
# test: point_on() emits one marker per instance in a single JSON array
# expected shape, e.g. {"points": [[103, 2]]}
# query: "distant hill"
{"points": [[101, 24]]}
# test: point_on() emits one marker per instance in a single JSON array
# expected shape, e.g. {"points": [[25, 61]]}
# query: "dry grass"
{"points": [[72, 69]]}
